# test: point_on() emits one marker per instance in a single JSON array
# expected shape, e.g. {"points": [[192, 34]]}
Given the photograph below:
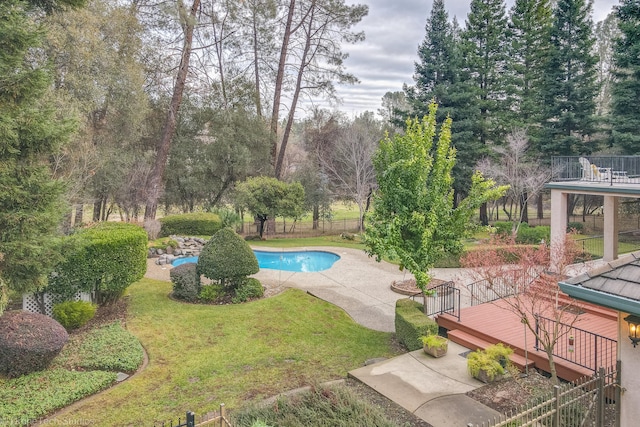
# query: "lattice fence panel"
{"points": [[30, 303]]}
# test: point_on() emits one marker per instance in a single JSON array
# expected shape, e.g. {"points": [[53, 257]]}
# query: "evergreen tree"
{"points": [[440, 75], [569, 87], [485, 39], [625, 109], [530, 26], [30, 131]]}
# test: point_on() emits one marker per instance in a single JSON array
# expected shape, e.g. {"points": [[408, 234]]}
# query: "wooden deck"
{"points": [[490, 323]]}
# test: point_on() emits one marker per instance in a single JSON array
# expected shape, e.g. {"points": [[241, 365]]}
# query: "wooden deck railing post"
{"points": [[556, 414], [601, 400]]}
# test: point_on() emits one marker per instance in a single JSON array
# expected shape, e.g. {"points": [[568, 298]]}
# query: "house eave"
{"points": [[600, 298]]}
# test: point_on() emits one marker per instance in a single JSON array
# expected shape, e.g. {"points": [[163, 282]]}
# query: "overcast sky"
{"points": [[394, 29]]}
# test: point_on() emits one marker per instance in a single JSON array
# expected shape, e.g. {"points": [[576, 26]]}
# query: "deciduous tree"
{"points": [[414, 219], [527, 289]]}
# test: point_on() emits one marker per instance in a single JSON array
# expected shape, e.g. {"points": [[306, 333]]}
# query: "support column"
{"points": [[558, 227], [610, 213]]}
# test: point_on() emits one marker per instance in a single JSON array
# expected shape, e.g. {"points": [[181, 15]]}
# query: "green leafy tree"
{"points": [[30, 132], [414, 219], [569, 88], [625, 111], [267, 198]]}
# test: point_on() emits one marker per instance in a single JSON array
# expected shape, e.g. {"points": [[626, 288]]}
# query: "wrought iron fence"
{"points": [[444, 298], [511, 283], [589, 402], [628, 241], [215, 419], [579, 346]]}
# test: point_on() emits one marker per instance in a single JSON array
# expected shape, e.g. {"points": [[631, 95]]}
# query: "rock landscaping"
{"points": [[187, 246]]}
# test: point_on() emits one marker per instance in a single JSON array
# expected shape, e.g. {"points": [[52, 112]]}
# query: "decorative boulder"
{"points": [[227, 258], [28, 342]]}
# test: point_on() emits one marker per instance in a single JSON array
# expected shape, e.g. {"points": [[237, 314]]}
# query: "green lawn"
{"points": [[201, 356]]}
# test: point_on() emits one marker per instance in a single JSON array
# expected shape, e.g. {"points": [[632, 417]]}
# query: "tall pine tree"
{"points": [[625, 105], [530, 27], [30, 131], [569, 87], [484, 46]]}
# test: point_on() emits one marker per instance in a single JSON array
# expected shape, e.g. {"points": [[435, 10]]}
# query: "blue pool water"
{"points": [[299, 261]]}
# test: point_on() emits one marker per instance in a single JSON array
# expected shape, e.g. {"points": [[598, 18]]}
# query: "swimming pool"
{"points": [[298, 261]]}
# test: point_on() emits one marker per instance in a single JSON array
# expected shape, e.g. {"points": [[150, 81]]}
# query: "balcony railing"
{"points": [[611, 170]]}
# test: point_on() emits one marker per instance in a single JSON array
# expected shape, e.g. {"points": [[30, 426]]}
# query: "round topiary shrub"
{"points": [[227, 258], [28, 342], [73, 314], [186, 282]]}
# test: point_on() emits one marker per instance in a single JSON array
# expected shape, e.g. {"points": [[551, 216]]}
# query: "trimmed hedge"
{"points": [[192, 224], [28, 342], [186, 281], [73, 314], [411, 323], [107, 258], [227, 258]]}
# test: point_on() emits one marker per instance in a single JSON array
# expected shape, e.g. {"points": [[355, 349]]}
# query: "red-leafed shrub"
{"points": [[28, 342]]}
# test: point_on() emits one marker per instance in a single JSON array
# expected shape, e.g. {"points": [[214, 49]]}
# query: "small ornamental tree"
{"points": [[227, 259], [414, 219], [518, 275], [267, 197]]}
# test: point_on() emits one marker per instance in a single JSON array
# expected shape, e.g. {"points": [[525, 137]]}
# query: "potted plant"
{"points": [[434, 345], [490, 364]]}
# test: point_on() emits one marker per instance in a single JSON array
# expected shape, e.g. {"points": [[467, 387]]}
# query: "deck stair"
{"points": [[478, 343]]}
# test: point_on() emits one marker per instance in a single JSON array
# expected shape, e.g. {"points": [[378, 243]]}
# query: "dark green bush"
{"points": [[73, 314], [533, 235], [250, 237], [503, 228], [412, 323], [186, 281], [192, 224], [249, 289], [105, 258], [577, 226], [227, 258], [28, 342]]}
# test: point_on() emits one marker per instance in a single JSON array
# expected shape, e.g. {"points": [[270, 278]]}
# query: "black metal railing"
{"points": [[579, 346], [214, 419], [441, 299], [628, 241], [511, 283], [608, 169]]}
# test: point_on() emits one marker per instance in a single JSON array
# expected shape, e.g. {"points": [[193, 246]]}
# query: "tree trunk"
{"points": [[154, 182], [484, 217], [540, 207], [278, 84], [524, 208], [79, 215], [316, 216], [296, 95], [256, 68]]}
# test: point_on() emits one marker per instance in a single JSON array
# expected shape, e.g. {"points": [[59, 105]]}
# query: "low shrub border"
{"points": [[411, 323]]}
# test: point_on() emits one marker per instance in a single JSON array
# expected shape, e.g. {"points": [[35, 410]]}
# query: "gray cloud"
{"points": [[385, 60]]}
